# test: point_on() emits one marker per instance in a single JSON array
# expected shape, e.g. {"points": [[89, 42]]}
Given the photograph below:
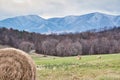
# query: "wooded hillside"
{"points": [[85, 43]]}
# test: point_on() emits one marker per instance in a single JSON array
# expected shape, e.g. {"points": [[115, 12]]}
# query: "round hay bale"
{"points": [[16, 65], [99, 57], [79, 57]]}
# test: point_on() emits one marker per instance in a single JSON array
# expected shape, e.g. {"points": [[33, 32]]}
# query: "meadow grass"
{"points": [[70, 68]]}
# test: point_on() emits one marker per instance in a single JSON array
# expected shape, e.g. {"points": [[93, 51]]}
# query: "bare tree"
{"points": [[49, 46], [69, 48], [26, 46]]}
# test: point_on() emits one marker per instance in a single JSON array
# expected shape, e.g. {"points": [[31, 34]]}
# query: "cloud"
{"points": [[56, 8]]}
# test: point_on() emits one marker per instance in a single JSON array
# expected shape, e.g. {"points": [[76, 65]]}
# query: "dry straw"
{"points": [[16, 65]]}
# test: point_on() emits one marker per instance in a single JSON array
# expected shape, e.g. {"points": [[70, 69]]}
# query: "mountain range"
{"points": [[35, 23]]}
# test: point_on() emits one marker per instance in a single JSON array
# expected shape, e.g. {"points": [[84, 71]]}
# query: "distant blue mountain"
{"points": [[34, 23]]}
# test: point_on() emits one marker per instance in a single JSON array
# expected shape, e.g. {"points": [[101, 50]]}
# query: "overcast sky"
{"points": [[56, 8]]}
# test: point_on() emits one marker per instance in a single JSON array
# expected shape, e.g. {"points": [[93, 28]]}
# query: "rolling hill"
{"points": [[34, 23]]}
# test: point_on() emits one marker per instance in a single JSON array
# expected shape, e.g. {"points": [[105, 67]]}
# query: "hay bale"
{"points": [[79, 57], [16, 65], [99, 57]]}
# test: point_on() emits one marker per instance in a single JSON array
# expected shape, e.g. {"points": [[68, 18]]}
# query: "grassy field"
{"points": [[70, 68]]}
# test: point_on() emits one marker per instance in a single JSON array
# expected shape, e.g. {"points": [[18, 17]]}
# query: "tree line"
{"points": [[69, 44]]}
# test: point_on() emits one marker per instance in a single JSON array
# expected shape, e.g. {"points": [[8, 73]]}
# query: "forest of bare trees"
{"points": [[85, 43]]}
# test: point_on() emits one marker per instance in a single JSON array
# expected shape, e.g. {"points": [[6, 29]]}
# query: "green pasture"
{"points": [[70, 68]]}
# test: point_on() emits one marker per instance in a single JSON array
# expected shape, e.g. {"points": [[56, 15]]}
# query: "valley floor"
{"points": [[70, 68]]}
